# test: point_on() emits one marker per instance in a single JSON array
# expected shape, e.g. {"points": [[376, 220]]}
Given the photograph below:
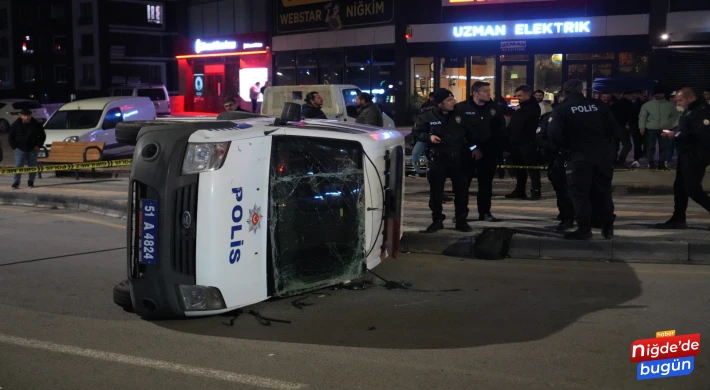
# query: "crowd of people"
{"points": [[580, 140]]}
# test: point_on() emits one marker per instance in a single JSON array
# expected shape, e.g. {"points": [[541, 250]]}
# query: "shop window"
{"points": [[513, 76], [453, 76], [285, 59], [514, 57], [330, 75], [307, 60], [28, 73], [421, 80], [548, 73], [285, 76], [634, 65], [590, 56], [382, 77], [331, 58], [579, 72], [357, 69], [601, 71], [29, 44], [484, 69]]}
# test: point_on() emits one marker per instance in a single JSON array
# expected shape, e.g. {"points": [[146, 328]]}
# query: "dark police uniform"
{"points": [[584, 127], [693, 143], [488, 123], [445, 158], [556, 159]]}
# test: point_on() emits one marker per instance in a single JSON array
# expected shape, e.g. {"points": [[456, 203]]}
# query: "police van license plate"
{"points": [[148, 231]]}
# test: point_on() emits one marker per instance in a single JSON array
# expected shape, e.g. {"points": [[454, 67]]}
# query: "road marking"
{"points": [[82, 219], [177, 368]]}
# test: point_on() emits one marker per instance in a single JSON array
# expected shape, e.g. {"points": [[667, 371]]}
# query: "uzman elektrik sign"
{"points": [[314, 15]]}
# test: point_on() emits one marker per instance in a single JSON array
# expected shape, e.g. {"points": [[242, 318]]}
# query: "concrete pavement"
{"points": [[515, 324]]}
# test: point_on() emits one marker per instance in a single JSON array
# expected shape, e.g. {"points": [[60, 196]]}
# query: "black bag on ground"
{"points": [[493, 243]]}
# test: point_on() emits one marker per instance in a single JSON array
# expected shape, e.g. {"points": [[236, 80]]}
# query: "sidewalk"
{"points": [[636, 240]]}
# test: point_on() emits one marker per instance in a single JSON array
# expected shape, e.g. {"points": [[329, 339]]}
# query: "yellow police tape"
{"points": [[67, 167]]}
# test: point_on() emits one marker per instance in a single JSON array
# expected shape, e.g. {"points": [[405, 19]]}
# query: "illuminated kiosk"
{"points": [[212, 69]]}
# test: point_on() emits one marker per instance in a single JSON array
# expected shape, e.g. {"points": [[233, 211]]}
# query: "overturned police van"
{"points": [[227, 212]]}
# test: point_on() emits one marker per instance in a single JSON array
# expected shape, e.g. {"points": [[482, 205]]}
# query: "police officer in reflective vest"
{"points": [[556, 159], [488, 122], [448, 136], [584, 128], [692, 139]]}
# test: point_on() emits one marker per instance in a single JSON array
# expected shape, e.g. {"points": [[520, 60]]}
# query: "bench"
{"points": [[72, 152]]}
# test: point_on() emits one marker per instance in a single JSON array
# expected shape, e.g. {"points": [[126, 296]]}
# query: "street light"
{"points": [[664, 37]]}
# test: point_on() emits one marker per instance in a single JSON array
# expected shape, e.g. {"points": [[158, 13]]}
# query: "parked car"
{"points": [[157, 93], [10, 112], [95, 120]]}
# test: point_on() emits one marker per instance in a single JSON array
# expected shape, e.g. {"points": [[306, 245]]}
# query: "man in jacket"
{"points": [[448, 135], [556, 159], [26, 137], [622, 111], [521, 130], [312, 109], [693, 143], [657, 115], [488, 121], [368, 113], [583, 128]]}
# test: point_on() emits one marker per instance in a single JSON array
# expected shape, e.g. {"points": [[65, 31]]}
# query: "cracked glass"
{"points": [[317, 213]]}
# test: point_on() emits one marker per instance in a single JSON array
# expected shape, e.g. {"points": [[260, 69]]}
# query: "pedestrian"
{"points": [[583, 128], [692, 140], [447, 136], [429, 104], [313, 107], [367, 112], [605, 98], [622, 111], [638, 138], [254, 95], [488, 122], [232, 104], [523, 151], [26, 138], [657, 115], [545, 107], [556, 159]]}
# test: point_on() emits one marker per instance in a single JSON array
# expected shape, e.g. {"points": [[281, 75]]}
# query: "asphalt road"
{"points": [[515, 325]]}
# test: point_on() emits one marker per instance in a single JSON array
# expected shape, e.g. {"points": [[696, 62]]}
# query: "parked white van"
{"points": [[338, 101], [95, 120], [157, 93]]}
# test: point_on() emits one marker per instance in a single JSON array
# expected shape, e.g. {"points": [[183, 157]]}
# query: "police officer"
{"points": [[556, 158], [584, 127], [692, 139], [448, 137], [488, 121]]}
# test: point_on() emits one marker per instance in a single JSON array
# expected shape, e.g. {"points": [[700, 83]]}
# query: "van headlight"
{"points": [[197, 298], [203, 157], [73, 138]]}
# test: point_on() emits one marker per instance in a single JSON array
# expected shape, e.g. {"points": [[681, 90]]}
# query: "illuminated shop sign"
{"points": [[450, 3], [255, 45], [580, 27], [202, 46]]}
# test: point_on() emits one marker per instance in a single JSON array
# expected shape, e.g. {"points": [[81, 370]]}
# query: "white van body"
{"points": [[256, 224], [95, 119], [338, 101], [157, 93]]}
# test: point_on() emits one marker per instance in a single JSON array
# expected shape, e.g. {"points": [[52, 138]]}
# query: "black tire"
{"points": [[127, 132], [4, 126], [122, 295]]}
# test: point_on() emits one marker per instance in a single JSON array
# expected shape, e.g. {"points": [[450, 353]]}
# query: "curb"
{"points": [[533, 247], [95, 206]]}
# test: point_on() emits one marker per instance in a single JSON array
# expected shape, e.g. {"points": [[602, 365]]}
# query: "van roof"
{"points": [[97, 103]]}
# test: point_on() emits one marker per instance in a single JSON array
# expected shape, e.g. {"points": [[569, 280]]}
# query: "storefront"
{"points": [[345, 42], [213, 69], [540, 53]]}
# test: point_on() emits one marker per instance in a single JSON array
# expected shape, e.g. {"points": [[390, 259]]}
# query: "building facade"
{"points": [[226, 52]]}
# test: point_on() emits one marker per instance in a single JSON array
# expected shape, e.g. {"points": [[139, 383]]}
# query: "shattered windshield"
{"points": [[317, 205]]}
